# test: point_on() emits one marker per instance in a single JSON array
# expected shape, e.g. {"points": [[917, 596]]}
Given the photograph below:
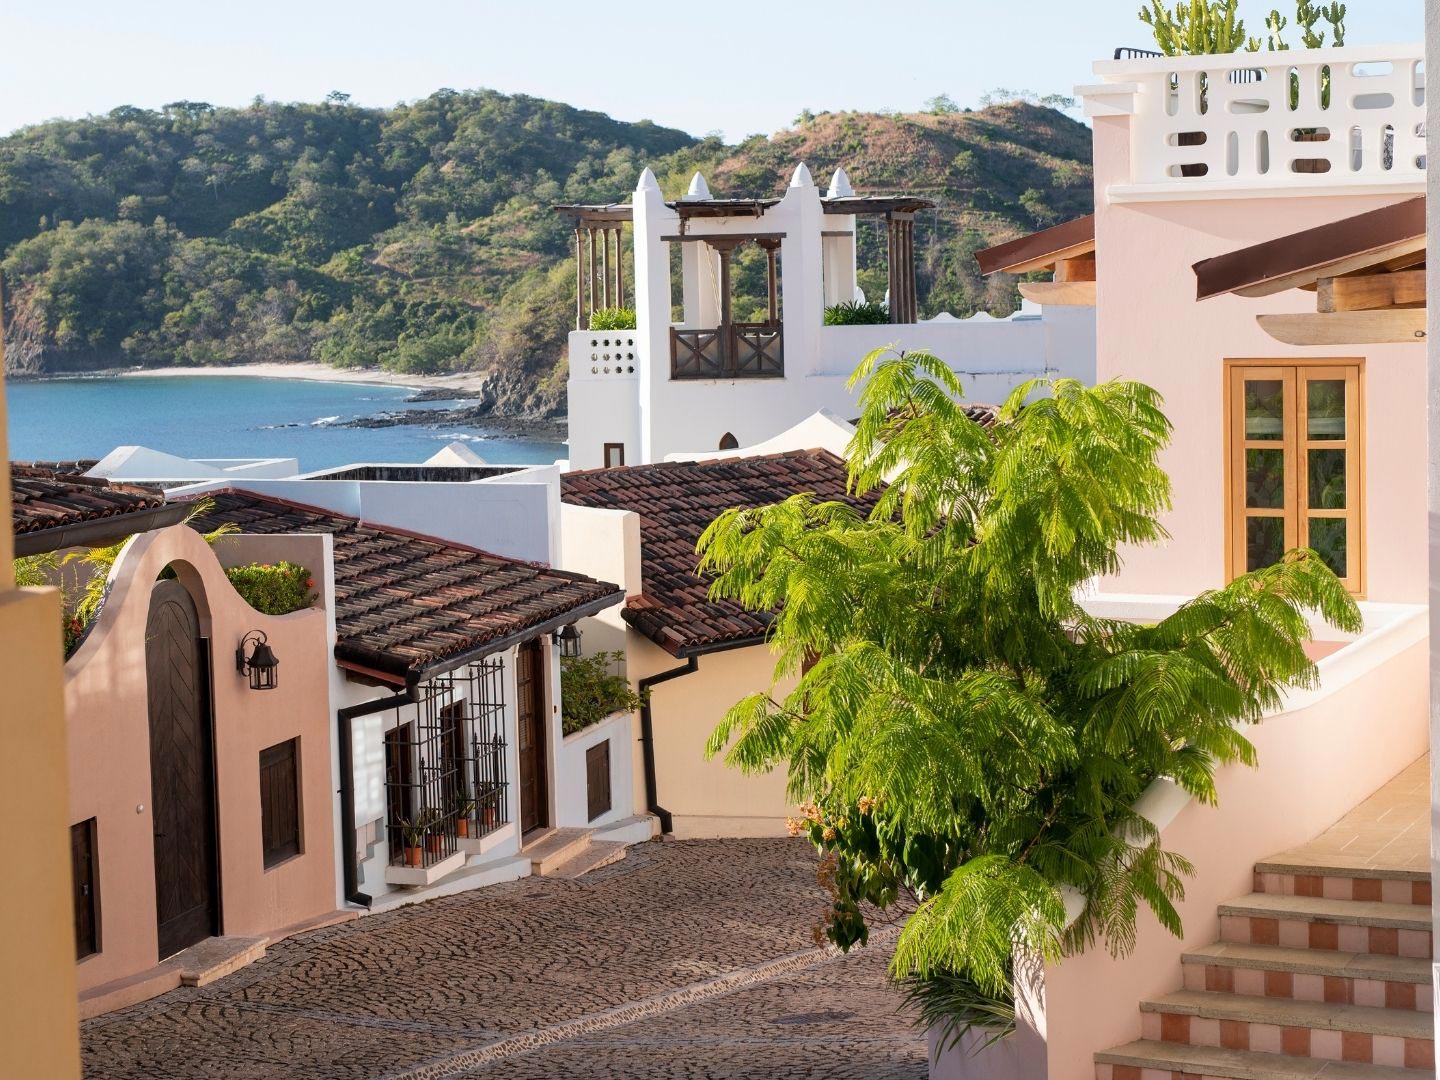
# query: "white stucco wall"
{"points": [[512, 514]]}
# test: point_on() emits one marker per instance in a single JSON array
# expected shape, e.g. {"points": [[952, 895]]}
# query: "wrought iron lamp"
{"points": [[569, 639], [261, 665]]}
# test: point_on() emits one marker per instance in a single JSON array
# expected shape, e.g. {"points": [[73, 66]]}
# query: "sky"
{"points": [[738, 67]]}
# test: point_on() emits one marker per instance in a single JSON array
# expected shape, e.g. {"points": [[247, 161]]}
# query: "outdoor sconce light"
{"points": [[569, 639], [261, 665]]}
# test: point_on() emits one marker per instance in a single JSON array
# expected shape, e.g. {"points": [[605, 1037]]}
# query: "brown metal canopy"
{"points": [[1389, 238], [703, 208], [1040, 250]]}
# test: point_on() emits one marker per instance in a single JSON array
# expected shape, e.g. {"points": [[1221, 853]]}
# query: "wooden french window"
{"points": [[1295, 464]]}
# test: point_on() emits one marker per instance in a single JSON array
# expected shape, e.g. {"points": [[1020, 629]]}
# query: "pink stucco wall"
{"points": [[1151, 328], [107, 711]]}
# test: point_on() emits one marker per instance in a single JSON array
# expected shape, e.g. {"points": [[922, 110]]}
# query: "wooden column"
{"points": [[903, 307], [771, 247], [591, 233], [581, 323], [619, 267], [605, 265]]}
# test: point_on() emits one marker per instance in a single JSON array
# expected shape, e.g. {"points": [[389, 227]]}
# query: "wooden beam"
{"points": [[1060, 293], [1076, 268], [1367, 292], [1395, 325], [1365, 260]]}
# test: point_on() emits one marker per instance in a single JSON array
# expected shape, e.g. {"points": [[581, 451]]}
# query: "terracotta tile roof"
{"points": [[405, 604], [676, 500], [50, 509]]}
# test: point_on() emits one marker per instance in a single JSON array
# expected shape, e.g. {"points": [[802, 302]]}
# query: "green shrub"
{"points": [[589, 692], [857, 313], [613, 318], [273, 588]]}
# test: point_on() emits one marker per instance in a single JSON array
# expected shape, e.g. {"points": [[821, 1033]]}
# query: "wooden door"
{"points": [[86, 882], [530, 720], [182, 803]]}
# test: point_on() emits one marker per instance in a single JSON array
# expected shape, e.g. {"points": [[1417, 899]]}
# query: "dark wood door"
{"points": [[182, 772], [86, 882], [530, 713]]}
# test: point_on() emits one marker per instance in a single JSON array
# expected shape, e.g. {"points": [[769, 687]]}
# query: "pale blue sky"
{"points": [[748, 67]]}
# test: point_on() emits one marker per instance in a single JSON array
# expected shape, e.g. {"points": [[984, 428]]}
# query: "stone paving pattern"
{"points": [[413, 991]]}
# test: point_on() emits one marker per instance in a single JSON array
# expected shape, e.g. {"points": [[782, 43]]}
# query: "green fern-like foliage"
{"points": [[962, 731]]}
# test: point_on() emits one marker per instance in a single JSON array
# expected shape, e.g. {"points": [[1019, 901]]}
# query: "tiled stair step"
{"points": [[1340, 883], [1146, 1060], [599, 853], [1392, 982], [1295, 1028], [1316, 922]]}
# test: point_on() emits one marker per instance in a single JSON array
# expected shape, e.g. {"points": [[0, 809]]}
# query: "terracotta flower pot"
{"points": [[489, 817], [462, 826], [435, 843], [413, 856]]}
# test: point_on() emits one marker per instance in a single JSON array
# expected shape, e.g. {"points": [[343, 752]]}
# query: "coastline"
{"points": [[311, 371], [457, 386]]}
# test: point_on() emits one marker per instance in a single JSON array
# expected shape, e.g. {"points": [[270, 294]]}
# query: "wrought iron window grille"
{"points": [[445, 776]]}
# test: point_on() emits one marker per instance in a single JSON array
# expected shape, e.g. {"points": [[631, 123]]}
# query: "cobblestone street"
{"points": [[685, 959]]}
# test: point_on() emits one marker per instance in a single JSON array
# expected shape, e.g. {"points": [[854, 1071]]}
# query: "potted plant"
{"points": [[464, 811], [433, 826], [412, 840], [489, 813]]}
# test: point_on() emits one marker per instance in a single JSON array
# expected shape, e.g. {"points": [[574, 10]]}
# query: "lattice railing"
{"points": [[737, 351]]}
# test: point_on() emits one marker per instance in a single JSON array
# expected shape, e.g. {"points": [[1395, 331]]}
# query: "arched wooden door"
{"points": [[182, 771]]}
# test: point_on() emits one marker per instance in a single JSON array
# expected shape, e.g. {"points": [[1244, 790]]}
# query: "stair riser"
{"points": [[1131, 1072], [1345, 888], [1303, 1042], [1309, 934], [1297, 986]]}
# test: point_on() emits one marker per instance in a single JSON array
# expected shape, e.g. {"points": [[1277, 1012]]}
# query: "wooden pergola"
{"points": [[899, 213], [598, 275], [1367, 273]]}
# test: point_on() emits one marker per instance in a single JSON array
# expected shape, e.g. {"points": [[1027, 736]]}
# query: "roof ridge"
{"points": [[810, 452]]}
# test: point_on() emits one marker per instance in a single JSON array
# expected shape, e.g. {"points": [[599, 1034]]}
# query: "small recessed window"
{"points": [[280, 801], [614, 454], [85, 877], [729, 442]]}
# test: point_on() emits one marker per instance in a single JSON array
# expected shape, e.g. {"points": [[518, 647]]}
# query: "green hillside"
{"points": [[419, 238]]}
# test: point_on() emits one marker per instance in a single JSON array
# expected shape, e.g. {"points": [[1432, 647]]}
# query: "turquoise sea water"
{"points": [[237, 416]]}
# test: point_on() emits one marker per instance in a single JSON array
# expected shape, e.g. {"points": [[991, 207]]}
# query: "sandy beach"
{"points": [[316, 373]]}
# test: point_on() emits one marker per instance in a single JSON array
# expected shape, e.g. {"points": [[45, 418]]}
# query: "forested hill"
{"points": [[420, 237]]}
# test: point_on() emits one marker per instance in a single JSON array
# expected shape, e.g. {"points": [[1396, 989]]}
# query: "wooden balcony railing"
{"points": [[735, 351]]}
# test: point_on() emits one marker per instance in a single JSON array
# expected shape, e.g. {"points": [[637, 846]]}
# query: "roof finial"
{"points": [[699, 189], [647, 181], [801, 177], [839, 185]]}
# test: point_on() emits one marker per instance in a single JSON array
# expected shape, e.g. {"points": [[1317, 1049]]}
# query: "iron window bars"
{"points": [[445, 771]]}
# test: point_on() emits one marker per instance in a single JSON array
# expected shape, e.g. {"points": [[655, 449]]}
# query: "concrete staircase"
{"points": [[1323, 971], [569, 853]]}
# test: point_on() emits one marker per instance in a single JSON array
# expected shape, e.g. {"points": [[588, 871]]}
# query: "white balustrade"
{"points": [[1302, 118]]}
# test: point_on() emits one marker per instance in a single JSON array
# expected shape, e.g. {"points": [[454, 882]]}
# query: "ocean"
{"points": [[216, 416]]}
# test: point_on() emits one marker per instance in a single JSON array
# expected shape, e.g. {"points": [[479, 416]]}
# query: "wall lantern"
{"points": [[569, 639], [261, 665]]}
